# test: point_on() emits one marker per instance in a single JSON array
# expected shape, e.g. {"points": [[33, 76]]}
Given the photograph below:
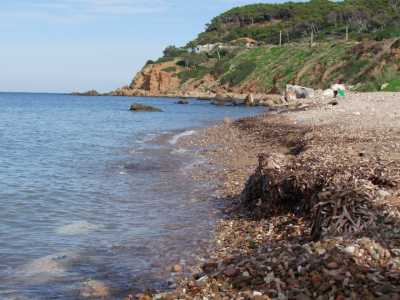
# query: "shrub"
{"points": [[169, 69], [239, 73], [192, 60], [220, 68], [197, 73], [172, 51], [163, 60]]}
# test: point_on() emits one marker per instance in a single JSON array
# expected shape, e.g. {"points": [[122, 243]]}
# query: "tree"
{"points": [[395, 4], [172, 51], [193, 60]]}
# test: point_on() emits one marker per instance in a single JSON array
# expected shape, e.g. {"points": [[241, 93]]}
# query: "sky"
{"points": [[77, 45]]}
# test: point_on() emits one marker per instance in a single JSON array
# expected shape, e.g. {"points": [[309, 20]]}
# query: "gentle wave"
{"points": [[80, 227], [48, 267], [176, 137], [179, 151]]}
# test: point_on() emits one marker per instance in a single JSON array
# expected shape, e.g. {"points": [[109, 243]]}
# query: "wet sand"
{"points": [[331, 231]]}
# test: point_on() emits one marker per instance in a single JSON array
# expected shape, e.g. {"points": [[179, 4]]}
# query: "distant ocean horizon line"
{"points": [[35, 92]]}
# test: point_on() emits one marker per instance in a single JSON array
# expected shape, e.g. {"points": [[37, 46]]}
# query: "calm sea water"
{"points": [[90, 191]]}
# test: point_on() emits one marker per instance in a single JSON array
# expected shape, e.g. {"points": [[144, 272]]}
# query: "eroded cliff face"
{"points": [[161, 79], [154, 81]]}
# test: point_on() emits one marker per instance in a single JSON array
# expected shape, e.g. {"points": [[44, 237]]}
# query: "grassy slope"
{"points": [[367, 65]]}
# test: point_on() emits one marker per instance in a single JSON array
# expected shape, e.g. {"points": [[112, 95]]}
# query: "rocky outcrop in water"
{"points": [[88, 93], [137, 107]]}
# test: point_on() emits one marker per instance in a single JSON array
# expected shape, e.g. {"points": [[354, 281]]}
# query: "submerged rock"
{"points": [[75, 228], [94, 289], [142, 107], [182, 101]]}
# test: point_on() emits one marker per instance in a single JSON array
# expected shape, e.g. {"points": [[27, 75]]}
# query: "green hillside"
{"points": [[374, 19], [356, 41]]}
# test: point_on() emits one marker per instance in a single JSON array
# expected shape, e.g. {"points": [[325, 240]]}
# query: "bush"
{"points": [[163, 60], [197, 73], [169, 69], [172, 51], [239, 74], [220, 68], [192, 60], [393, 86]]}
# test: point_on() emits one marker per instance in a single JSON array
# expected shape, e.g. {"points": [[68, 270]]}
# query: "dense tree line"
{"points": [[323, 18]]}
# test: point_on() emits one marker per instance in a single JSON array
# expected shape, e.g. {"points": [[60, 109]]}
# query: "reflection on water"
{"points": [[93, 202]]}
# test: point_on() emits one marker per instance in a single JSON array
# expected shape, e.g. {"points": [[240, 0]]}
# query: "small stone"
{"points": [[143, 297], [332, 265], [231, 271], [316, 279], [383, 194], [227, 120], [303, 297], [321, 251], [94, 289], [177, 268], [269, 278], [209, 267], [202, 281], [350, 250]]}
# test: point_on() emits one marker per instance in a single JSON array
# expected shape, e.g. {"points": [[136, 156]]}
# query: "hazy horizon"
{"points": [[77, 45]]}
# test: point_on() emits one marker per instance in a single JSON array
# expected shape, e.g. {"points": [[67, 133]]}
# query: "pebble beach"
{"points": [[310, 203]]}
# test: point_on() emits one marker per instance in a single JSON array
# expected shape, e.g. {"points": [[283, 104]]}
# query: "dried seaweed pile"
{"points": [[342, 189]]}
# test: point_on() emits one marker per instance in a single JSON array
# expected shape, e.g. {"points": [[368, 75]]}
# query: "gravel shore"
{"points": [[311, 202]]}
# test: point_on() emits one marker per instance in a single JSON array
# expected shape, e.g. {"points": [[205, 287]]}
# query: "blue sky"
{"points": [[68, 45]]}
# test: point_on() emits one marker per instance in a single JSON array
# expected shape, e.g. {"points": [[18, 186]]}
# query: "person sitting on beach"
{"points": [[338, 88]]}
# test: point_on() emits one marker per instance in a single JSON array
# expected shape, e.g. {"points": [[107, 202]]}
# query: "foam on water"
{"points": [[47, 268], [179, 151], [176, 137], [75, 228]]}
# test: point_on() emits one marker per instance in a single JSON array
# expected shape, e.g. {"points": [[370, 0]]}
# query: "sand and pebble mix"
{"points": [[316, 216]]}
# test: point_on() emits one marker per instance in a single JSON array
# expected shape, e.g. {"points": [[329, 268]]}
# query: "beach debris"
{"points": [[137, 107], [249, 101], [333, 102], [300, 92], [328, 93], [290, 96]]}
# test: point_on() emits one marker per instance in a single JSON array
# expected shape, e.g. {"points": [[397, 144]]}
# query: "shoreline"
{"points": [[268, 244]]}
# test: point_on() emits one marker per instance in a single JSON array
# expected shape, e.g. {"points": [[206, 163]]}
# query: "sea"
{"points": [[97, 200]]}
